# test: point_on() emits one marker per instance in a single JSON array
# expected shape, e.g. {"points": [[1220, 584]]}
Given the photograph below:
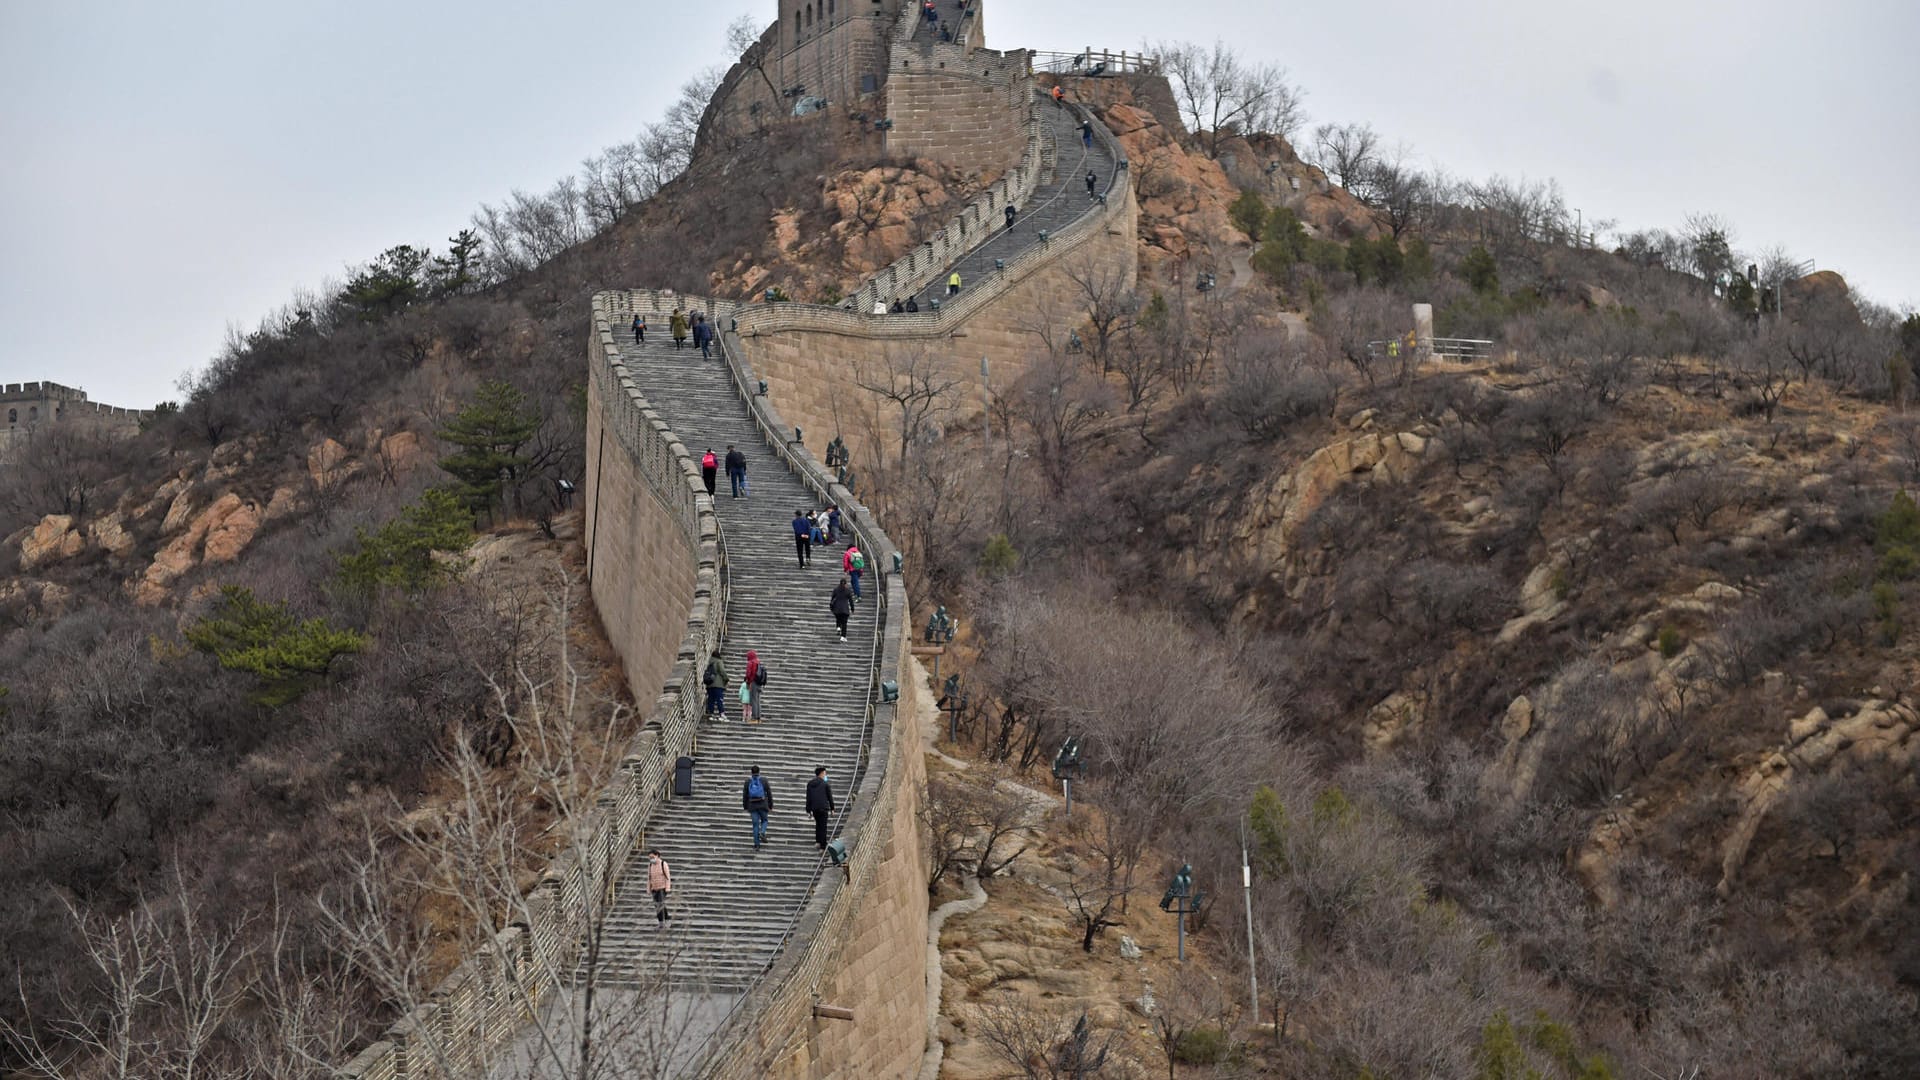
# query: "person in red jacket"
{"points": [[709, 469]]}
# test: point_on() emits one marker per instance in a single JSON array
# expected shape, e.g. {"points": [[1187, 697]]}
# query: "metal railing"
{"points": [[1092, 61], [1451, 348]]}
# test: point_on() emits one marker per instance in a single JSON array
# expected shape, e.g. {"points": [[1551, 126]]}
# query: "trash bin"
{"points": [[683, 778]]}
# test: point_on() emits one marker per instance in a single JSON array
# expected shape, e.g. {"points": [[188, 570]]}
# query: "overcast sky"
{"points": [[168, 170]]}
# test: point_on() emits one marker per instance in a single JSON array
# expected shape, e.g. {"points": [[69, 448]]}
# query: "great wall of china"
{"points": [[828, 976]]}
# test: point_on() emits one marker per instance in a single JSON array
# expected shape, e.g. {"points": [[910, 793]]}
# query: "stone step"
{"points": [[734, 905]]}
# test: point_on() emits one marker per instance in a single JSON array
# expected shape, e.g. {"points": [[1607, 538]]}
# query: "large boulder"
{"points": [[53, 539]]}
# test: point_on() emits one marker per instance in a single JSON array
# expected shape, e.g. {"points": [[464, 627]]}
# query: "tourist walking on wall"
{"points": [[833, 524], [715, 680], [819, 804], [659, 883], [756, 797], [678, 324], [709, 467], [820, 537], [953, 283], [1086, 134], [1091, 181], [842, 606], [1011, 214], [737, 471], [803, 537], [913, 304], [639, 329], [752, 687], [1059, 96], [854, 563], [703, 336]]}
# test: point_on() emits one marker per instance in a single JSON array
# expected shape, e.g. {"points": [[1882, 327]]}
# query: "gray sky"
{"points": [[169, 170]]}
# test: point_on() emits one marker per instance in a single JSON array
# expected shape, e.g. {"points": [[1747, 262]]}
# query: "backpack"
{"points": [[760, 676], [859, 561], [756, 788]]}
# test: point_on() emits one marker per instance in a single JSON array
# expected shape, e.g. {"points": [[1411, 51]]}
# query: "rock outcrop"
{"points": [[53, 539], [217, 534]]}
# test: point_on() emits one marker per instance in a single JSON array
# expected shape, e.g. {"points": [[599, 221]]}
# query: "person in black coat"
{"points": [[736, 471], [819, 804], [841, 605]]}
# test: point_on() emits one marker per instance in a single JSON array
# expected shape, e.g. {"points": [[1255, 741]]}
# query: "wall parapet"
{"points": [[781, 1003], [769, 318], [479, 1009]]}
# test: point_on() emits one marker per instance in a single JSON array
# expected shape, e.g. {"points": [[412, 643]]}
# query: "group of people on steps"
{"points": [[682, 326], [756, 798]]}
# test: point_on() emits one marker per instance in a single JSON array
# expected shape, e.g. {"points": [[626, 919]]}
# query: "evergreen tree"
{"points": [[392, 281], [1248, 214], [1482, 274], [458, 271], [288, 655], [409, 552], [489, 432]]}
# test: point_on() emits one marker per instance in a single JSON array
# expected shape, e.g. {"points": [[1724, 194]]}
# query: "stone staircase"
{"points": [[732, 906], [1056, 202]]}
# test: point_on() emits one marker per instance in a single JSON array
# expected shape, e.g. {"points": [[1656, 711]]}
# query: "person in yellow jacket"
{"points": [[678, 324], [953, 283]]}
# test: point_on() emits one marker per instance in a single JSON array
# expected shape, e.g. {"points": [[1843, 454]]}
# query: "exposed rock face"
{"points": [[1401, 714], [217, 534], [110, 534], [53, 539], [1880, 731], [327, 464], [1290, 497]]}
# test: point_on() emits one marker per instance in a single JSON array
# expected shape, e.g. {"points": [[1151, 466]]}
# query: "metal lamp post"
{"points": [[1066, 765], [1182, 900]]}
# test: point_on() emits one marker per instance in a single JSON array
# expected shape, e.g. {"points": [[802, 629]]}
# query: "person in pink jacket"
{"points": [[854, 563], [659, 883]]}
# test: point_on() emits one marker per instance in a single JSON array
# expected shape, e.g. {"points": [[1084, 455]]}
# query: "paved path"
{"points": [[732, 905], [1054, 204]]}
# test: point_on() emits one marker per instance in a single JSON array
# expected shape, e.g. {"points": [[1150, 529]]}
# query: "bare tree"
{"points": [[1111, 307], [1045, 1041], [1221, 94], [1189, 1001], [912, 381], [1347, 153], [1061, 406]]}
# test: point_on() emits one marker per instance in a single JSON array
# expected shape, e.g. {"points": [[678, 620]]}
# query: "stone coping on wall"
{"points": [[782, 1001], [482, 1005], [769, 318]]}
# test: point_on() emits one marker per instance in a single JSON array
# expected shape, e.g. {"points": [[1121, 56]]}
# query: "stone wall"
{"points": [[958, 106], [860, 943], [636, 463], [812, 357], [34, 406]]}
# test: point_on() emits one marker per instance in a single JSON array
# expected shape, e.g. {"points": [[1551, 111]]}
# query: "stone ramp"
{"points": [[1056, 202], [732, 906]]}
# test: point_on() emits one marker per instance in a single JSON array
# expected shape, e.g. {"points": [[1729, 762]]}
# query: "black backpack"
{"points": [[760, 676]]}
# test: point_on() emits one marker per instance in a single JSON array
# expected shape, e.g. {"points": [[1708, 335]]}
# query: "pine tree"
{"points": [[288, 655], [410, 552], [458, 271], [391, 282], [1248, 214], [489, 433]]}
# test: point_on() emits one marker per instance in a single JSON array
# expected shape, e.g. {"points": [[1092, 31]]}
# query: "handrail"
{"points": [[1090, 62], [766, 318], [879, 547]]}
